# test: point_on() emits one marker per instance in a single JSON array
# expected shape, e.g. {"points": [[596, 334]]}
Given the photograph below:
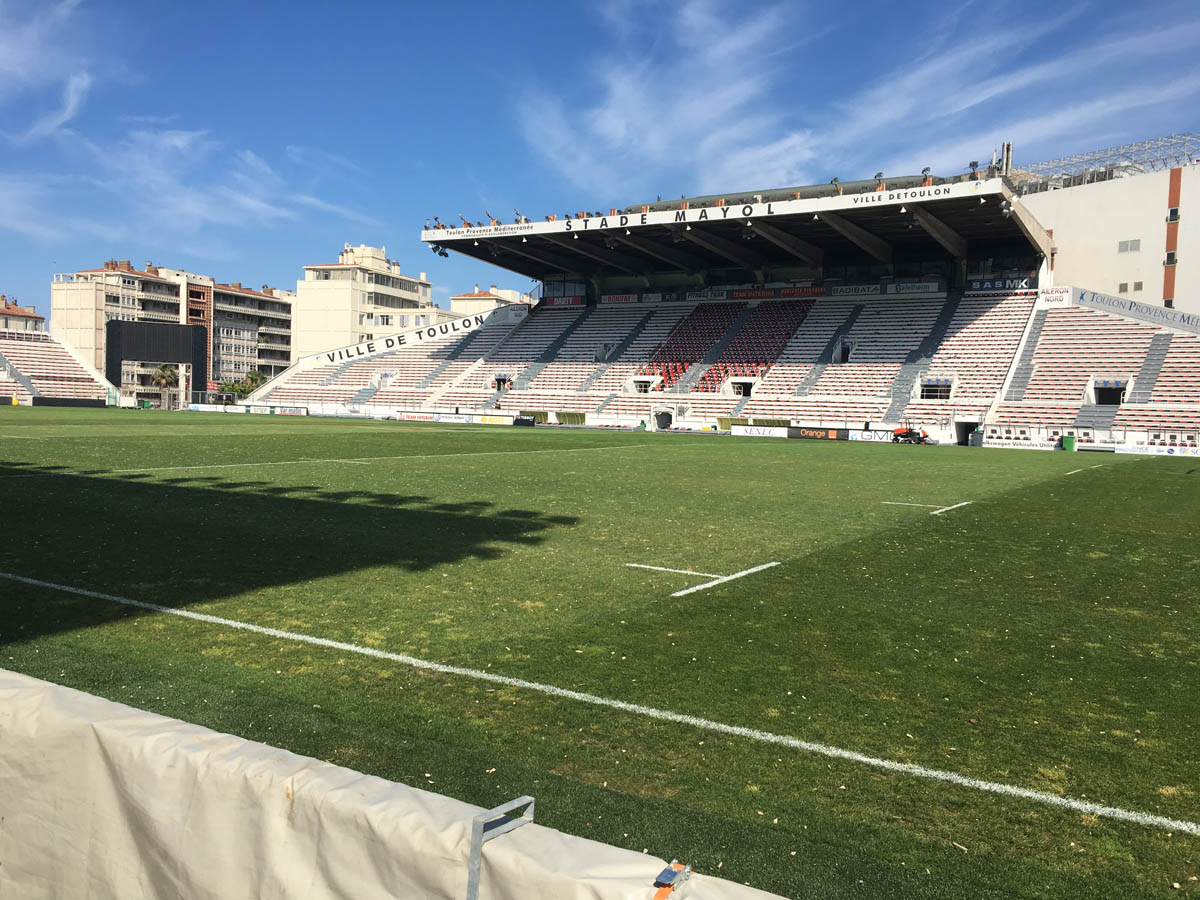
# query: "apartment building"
{"points": [[247, 329], [14, 317], [362, 297]]}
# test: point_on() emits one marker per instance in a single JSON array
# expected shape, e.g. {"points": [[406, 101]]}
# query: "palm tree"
{"points": [[255, 379], [164, 378]]}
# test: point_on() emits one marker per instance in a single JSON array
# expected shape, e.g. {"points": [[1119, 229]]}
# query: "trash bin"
{"points": [[1068, 442]]}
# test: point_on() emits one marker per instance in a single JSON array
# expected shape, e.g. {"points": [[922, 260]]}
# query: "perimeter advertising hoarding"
{"points": [[758, 431], [829, 434]]}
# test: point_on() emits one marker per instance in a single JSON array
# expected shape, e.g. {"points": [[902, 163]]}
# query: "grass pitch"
{"points": [[1044, 636]]}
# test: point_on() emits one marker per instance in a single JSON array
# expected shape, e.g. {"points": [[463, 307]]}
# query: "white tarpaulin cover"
{"points": [[100, 800]]}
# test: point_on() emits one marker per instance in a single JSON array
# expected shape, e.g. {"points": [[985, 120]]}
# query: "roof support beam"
{"points": [[802, 250], [602, 255], [1030, 227], [867, 242], [955, 243], [561, 263], [747, 259], [678, 258]]}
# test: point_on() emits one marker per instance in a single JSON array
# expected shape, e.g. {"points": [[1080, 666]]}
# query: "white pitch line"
{"points": [[722, 579], [1074, 471], [900, 503], [358, 459], [938, 512], [1083, 807], [680, 571]]}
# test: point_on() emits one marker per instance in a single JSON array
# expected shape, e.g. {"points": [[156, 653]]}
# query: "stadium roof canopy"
{"points": [[756, 232]]}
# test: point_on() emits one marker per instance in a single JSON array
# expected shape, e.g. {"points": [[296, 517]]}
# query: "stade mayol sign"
{"points": [[404, 339], [718, 213]]}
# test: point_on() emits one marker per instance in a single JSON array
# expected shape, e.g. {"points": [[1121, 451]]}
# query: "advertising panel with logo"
{"points": [[757, 431], [829, 434]]}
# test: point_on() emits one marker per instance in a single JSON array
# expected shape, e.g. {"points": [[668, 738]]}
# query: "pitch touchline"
{"points": [[992, 787], [356, 459]]}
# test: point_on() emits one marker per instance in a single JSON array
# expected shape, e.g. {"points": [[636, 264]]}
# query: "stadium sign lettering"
{"points": [[383, 345], [893, 196], [1158, 315], [853, 290], [1001, 284]]}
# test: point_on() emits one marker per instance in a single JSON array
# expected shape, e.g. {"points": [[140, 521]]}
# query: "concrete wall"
{"points": [[1090, 221]]}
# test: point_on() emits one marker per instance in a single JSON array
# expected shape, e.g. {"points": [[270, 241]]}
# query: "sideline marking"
{"points": [[1085, 807], [680, 571], [1073, 471], [362, 460], [899, 503], [722, 579], [938, 512]]}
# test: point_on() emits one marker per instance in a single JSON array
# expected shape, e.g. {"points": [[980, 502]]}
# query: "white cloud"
{"points": [[344, 212], [74, 94], [695, 116], [320, 160]]}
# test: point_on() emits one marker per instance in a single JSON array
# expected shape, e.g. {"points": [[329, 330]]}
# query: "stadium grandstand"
{"points": [[38, 369], [939, 302]]}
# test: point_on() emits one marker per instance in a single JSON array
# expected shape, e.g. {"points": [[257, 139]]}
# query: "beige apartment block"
{"points": [[362, 297], [14, 317], [478, 301]]}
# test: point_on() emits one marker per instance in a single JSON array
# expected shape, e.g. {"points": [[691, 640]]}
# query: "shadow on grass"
{"points": [[181, 541]]}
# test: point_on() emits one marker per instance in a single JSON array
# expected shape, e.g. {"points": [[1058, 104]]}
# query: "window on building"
{"points": [[1130, 246], [1169, 302], [1170, 258], [1173, 214], [1123, 287], [1137, 285], [385, 320]]}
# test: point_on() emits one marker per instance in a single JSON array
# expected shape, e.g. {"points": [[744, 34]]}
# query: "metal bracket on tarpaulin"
{"points": [[489, 825]]}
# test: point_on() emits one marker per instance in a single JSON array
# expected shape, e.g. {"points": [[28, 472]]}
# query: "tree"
{"points": [[255, 379], [164, 378]]}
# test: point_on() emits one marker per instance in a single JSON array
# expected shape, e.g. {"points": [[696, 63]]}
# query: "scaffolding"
{"points": [[1137, 158]]}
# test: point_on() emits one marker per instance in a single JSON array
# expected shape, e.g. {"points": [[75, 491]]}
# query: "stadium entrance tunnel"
{"points": [[174, 541], [962, 432], [663, 419]]}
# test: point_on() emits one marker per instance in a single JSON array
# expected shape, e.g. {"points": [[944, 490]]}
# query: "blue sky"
{"points": [[246, 140]]}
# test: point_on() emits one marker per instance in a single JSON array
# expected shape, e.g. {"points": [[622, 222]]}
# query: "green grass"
{"points": [[1044, 636]]}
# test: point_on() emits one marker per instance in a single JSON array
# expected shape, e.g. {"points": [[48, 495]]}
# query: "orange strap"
{"points": [[665, 891]]}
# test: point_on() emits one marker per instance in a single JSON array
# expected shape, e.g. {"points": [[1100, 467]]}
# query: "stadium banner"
{"points": [[561, 301], [492, 419], [996, 284], [1005, 444], [914, 287], [387, 344], [811, 290], [829, 434], [853, 290], [1149, 450], [259, 410], [403, 415], [215, 407], [757, 210], [618, 298], [291, 410], [1143, 312], [460, 418], [873, 435], [707, 295], [753, 294], [757, 431], [653, 298], [1054, 296]]}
